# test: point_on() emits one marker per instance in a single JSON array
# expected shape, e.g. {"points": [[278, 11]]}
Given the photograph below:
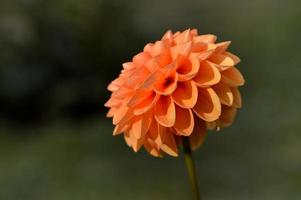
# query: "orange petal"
{"points": [[164, 111], [137, 77], [198, 136], [147, 104], [168, 36], [181, 52], [128, 65], [227, 116], [148, 48], [159, 48], [184, 37], [208, 106], [141, 58], [188, 69], [141, 124], [237, 97], [208, 38], [167, 85], [208, 75], [111, 112], [184, 121], [150, 146], [120, 128], [224, 93], [222, 46], [232, 77], [169, 144], [186, 94], [113, 102], [120, 114], [139, 97], [132, 141], [225, 60]]}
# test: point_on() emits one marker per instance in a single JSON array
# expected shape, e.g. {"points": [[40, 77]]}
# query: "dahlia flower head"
{"points": [[179, 86]]}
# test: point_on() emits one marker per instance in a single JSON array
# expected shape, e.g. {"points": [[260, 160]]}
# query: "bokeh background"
{"points": [[57, 57]]}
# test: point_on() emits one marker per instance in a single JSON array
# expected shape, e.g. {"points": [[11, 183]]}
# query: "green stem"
{"points": [[191, 168]]}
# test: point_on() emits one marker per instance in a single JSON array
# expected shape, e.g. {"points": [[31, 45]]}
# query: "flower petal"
{"points": [[199, 133], [132, 141], [150, 146], [164, 111], [186, 94], [224, 60], [188, 69], [120, 114], [208, 106], [147, 104], [222, 46], [208, 75], [227, 116], [169, 144], [141, 124], [141, 58], [184, 121], [167, 85], [208, 38], [237, 97], [232, 77], [224, 93]]}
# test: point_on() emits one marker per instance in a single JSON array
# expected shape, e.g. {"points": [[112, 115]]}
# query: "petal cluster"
{"points": [[179, 86]]}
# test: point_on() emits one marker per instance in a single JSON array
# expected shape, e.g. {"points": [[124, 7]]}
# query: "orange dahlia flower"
{"points": [[181, 85]]}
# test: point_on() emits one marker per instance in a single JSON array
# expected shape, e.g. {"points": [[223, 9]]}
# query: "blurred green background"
{"points": [[56, 58]]}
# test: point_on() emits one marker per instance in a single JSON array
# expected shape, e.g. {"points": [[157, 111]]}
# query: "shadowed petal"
{"points": [[184, 121], [232, 77], [186, 94], [208, 75], [199, 133], [208, 106], [164, 111], [225, 60], [236, 97], [169, 144], [224, 93], [227, 116]]}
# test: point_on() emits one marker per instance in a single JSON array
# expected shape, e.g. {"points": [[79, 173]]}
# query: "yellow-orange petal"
{"points": [[232, 77], [198, 136], [188, 69], [224, 93], [167, 85], [137, 77], [208, 106], [184, 121], [236, 97], [147, 104], [164, 111], [181, 52], [184, 37], [139, 97], [186, 94], [208, 75]]}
